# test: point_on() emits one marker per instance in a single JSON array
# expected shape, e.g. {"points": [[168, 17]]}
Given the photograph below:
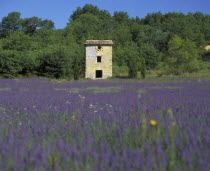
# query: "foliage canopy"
{"points": [[34, 46]]}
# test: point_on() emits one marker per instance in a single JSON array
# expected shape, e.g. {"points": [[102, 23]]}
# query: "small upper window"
{"points": [[99, 47], [98, 59]]}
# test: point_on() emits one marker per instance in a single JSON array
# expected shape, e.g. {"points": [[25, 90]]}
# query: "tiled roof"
{"points": [[98, 42]]}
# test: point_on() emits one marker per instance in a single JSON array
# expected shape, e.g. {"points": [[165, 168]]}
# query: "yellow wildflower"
{"points": [[153, 123], [73, 117], [169, 111]]}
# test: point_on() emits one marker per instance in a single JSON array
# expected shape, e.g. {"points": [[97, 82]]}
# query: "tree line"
{"points": [[172, 42]]}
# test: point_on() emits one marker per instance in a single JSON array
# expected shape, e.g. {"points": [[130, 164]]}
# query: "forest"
{"points": [[172, 43]]}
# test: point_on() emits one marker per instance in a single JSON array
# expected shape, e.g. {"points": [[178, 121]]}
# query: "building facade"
{"points": [[98, 59]]}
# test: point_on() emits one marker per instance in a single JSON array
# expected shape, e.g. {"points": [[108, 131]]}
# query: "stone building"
{"points": [[98, 59]]}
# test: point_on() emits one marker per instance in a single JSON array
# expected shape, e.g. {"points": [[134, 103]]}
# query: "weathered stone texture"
{"points": [[92, 52]]}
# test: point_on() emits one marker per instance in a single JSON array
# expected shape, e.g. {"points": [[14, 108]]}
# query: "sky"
{"points": [[59, 11]]}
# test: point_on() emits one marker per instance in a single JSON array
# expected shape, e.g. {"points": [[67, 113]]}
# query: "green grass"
{"points": [[104, 89], [199, 74], [5, 89], [149, 74], [93, 89]]}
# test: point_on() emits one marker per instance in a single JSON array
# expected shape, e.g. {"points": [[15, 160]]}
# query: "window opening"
{"points": [[98, 59]]}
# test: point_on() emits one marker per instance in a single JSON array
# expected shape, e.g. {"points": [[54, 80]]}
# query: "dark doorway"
{"points": [[98, 73]]}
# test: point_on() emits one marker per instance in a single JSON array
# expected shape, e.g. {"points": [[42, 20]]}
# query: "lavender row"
{"points": [[105, 125]]}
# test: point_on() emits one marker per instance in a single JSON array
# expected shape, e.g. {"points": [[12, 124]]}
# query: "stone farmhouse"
{"points": [[98, 59]]}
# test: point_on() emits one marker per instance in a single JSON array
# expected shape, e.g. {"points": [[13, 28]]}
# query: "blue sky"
{"points": [[60, 10]]}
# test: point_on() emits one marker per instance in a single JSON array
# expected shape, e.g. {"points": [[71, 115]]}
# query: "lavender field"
{"points": [[155, 124]]}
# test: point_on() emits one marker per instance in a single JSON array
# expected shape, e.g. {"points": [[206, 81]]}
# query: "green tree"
{"points": [[78, 65], [10, 63], [44, 37], [133, 59], [1, 44], [87, 9], [76, 68], [11, 22], [142, 68], [55, 61], [182, 55], [47, 24], [121, 17], [133, 68], [205, 55], [32, 45], [30, 25], [150, 54], [87, 26], [122, 35], [17, 41], [154, 20], [118, 56], [29, 63]]}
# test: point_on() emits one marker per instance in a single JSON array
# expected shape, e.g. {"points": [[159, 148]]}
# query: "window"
{"points": [[98, 59], [99, 47], [99, 74]]}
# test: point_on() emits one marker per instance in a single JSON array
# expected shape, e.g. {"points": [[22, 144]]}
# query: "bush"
{"points": [[133, 68], [120, 70], [55, 62], [10, 63], [150, 55], [203, 65], [206, 55], [182, 56]]}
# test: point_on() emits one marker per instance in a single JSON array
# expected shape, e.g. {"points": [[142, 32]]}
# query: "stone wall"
{"points": [[92, 65]]}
